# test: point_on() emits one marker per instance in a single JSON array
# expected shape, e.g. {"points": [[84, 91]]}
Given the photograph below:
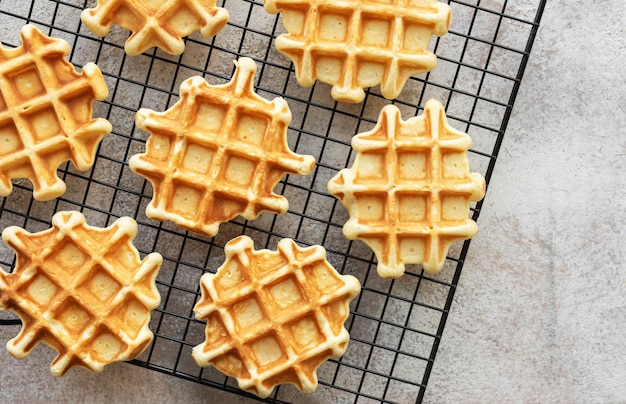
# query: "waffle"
{"points": [[217, 153], [353, 44], [156, 23], [45, 113], [273, 317], [81, 290], [409, 190]]}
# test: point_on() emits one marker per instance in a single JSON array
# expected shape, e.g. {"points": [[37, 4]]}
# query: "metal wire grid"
{"points": [[395, 325]]}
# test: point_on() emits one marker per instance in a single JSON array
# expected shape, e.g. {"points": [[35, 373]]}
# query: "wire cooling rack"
{"points": [[395, 325]]}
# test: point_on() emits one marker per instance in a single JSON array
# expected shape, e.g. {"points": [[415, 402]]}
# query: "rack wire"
{"points": [[395, 325]]}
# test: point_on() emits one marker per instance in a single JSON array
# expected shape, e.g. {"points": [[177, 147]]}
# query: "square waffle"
{"points": [[217, 153], [353, 44], [409, 190], [156, 23], [81, 290], [45, 113], [273, 317]]}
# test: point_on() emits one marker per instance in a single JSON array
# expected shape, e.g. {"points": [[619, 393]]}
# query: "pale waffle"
{"points": [[156, 23], [273, 317], [354, 44], [81, 290], [409, 190], [217, 153], [46, 113]]}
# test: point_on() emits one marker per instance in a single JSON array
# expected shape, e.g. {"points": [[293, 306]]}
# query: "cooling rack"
{"points": [[395, 325]]}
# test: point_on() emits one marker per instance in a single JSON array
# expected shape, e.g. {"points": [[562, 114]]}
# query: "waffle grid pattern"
{"points": [[45, 113], [162, 23], [274, 317], [80, 313], [409, 190], [226, 157], [352, 44]]}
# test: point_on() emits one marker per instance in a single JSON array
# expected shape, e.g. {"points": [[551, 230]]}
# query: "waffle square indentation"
{"points": [[74, 317], [27, 83], [198, 158], [41, 290], [102, 285], [10, 140]]}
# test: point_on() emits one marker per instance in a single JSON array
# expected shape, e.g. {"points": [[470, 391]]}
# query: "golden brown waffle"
{"points": [[81, 290], [45, 113], [273, 317], [409, 190], [353, 44], [217, 153], [156, 23]]}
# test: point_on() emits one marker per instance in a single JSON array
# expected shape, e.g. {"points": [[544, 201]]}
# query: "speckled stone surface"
{"points": [[540, 311]]}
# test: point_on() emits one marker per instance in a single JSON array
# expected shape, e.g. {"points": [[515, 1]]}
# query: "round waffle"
{"points": [[81, 290], [217, 153], [273, 317], [156, 23], [45, 113], [353, 44], [409, 190]]}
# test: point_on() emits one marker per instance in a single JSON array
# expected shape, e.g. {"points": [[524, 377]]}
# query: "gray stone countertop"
{"points": [[540, 311]]}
